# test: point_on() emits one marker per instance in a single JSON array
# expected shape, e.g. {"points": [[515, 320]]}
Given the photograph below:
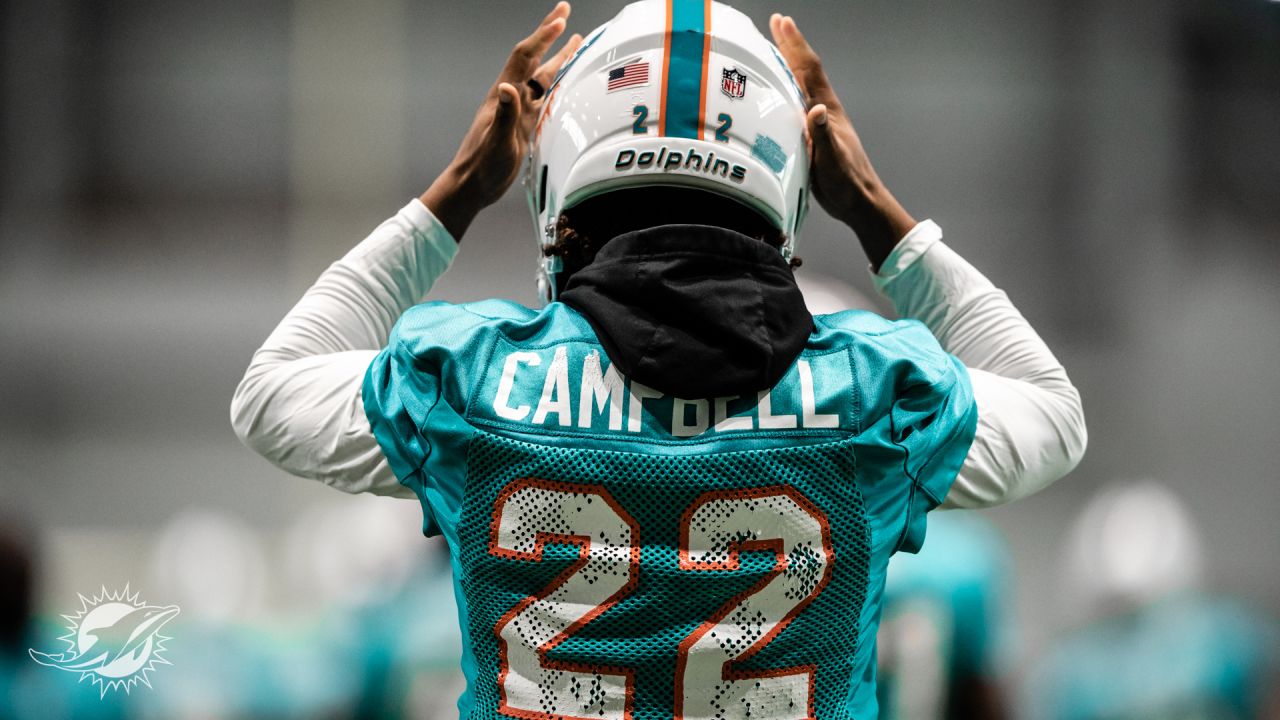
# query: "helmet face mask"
{"points": [[674, 93]]}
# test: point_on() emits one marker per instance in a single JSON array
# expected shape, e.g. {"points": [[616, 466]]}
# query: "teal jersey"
{"points": [[30, 691], [945, 619], [619, 553], [1183, 657]]}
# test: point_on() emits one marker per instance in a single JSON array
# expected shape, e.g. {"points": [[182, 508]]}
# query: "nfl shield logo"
{"points": [[733, 83]]}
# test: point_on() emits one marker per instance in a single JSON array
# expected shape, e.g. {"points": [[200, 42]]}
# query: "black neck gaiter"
{"points": [[692, 310]]}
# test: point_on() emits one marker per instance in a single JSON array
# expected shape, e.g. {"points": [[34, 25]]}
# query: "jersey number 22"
{"points": [[530, 514]]}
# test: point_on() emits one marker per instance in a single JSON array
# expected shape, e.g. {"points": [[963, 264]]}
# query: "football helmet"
{"points": [[684, 93]]}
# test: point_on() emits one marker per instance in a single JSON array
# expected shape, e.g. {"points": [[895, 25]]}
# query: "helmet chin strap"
{"points": [[550, 268]]}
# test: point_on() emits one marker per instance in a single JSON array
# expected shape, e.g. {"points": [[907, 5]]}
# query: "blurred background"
{"points": [[176, 173]]}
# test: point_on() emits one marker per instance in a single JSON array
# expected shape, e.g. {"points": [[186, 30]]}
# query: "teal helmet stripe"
{"points": [[684, 76]]}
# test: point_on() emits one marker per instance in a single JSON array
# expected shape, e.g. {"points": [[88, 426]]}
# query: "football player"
{"points": [[670, 492], [1157, 641], [944, 628]]}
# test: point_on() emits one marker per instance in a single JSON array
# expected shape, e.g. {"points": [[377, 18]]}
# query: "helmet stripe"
{"points": [[684, 70]]}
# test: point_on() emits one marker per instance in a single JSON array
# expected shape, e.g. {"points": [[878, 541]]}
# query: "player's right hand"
{"points": [[489, 158]]}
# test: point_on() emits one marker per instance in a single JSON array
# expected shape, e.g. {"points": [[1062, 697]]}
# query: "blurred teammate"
{"points": [[671, 492], [29, 691], [1157, 645], [945, 625]]}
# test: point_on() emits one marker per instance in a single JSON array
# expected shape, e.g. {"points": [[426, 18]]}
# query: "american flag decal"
{"points": [[629, 75]]}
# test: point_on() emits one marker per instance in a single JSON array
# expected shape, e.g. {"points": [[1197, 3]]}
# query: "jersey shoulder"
{"points": [[874, 334], [890, 356], [417, 390], [857, 321], [913, 397], [460, 328], [440, 320]]}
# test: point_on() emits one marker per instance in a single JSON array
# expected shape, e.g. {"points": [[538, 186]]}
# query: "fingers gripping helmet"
{"points": [[683, 93]]}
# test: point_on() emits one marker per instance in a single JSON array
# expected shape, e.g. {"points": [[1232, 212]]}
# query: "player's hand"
{"points": [[492, 150], [843, 180]]}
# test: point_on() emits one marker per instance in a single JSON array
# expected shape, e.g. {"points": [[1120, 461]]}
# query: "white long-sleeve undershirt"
{"points": [[299, 403], [1031, 428]]}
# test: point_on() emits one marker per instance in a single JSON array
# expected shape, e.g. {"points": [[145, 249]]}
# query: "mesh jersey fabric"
{"points": [[621, 553]]}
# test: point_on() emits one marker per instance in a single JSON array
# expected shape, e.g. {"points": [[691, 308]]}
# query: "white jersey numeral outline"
{"points": [[531, 513], [528, 515]]}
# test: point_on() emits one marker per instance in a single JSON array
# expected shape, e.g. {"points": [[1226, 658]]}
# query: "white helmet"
{"points": [[676, 93]]}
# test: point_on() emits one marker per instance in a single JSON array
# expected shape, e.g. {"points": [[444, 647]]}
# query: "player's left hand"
{"points": [[844, 182], [489, 158]]}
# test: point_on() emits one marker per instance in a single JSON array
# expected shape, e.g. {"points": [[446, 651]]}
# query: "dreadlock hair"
{"points": [[583, 229]]}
